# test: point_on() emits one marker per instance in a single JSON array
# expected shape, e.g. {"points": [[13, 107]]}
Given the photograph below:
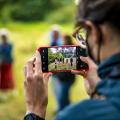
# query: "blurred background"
{"points": [[29, 23]]}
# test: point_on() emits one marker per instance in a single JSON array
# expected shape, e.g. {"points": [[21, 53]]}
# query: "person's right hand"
{"points": [[36, 87], [90, 75]]}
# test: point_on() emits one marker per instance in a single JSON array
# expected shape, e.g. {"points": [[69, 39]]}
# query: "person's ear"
{"points": [[94, 33]]}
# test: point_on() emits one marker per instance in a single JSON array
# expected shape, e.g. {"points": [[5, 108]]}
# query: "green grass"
{"points": [[61, 66], [26, 39]]}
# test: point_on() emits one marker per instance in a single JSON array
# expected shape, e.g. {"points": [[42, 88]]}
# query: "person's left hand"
{"points": [[36, 87], [91, 78]]}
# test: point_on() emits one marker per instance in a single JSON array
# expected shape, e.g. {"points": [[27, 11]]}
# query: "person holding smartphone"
{"points": [[100, 19]]}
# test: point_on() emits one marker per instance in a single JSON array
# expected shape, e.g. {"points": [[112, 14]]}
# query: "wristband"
{"points": [[32, 116]]}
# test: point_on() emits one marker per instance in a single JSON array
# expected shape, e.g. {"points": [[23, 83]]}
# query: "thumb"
{"points": [[84, 59], [38, 68], [89, 61]]}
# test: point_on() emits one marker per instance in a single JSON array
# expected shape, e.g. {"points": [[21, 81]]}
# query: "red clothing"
{"points": [[6, 75]]}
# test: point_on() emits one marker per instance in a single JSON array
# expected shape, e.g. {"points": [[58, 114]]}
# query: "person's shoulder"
{"points": [[74, 112], [88, 109]]}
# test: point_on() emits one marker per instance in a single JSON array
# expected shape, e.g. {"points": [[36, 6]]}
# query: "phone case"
{"points": [[56, 71]]}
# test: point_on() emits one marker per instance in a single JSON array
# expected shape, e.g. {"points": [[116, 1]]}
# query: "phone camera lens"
{"points": [[81, 66]]}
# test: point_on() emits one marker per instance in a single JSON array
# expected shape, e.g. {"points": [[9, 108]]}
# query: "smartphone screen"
{"points": [[62, 58]]}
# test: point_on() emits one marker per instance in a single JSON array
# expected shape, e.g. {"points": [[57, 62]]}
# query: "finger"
{"points": [[29, 67], [25, 67], [38, 68], [25, 71], [88, 60], [85, 59], [25, 84]]}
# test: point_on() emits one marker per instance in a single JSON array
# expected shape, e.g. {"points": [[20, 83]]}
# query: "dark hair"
{"points": [[99, 12], [68, 40], [113, 17]]}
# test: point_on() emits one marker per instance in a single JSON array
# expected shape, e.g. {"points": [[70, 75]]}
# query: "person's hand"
{"points": [[36, 87], [90, 75]]}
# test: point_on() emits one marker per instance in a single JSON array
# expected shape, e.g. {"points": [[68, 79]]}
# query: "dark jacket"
{"points": [[65, 77], [96, 109], [6, 53], [32, 116]]}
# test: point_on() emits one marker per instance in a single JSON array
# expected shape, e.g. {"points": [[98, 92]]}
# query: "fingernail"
{"points": [[81, 57]]}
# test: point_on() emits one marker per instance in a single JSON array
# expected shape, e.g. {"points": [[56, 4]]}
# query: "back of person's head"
{"points": [[4, 35], [68, 40], [55, 31], [55, 35], [100, 12], [101, 18]]}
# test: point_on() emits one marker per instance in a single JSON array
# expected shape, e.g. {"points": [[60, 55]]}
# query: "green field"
{"points": [[26, 39], [61, 66]]}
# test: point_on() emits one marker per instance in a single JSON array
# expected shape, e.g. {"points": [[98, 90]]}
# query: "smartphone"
{"points": [[62, 58]]}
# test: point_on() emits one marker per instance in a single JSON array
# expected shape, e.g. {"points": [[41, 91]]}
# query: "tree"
{"points": [[31, 10], [4, 3]]}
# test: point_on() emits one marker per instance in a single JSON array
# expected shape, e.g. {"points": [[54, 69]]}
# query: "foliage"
{"points": [[61, 66], [32, 10], [52, 56], [63, 15], [29, 10], [4, 3]]}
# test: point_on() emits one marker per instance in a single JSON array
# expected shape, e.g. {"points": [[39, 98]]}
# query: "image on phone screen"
{"points": [[61, 58]]}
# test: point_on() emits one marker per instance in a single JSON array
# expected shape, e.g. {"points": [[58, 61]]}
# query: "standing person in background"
{"points": [[55, 36], [6, 62], [56, 62], [67, 61], [71, 62], [61, 82], [66, 80], [56, 40]]}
